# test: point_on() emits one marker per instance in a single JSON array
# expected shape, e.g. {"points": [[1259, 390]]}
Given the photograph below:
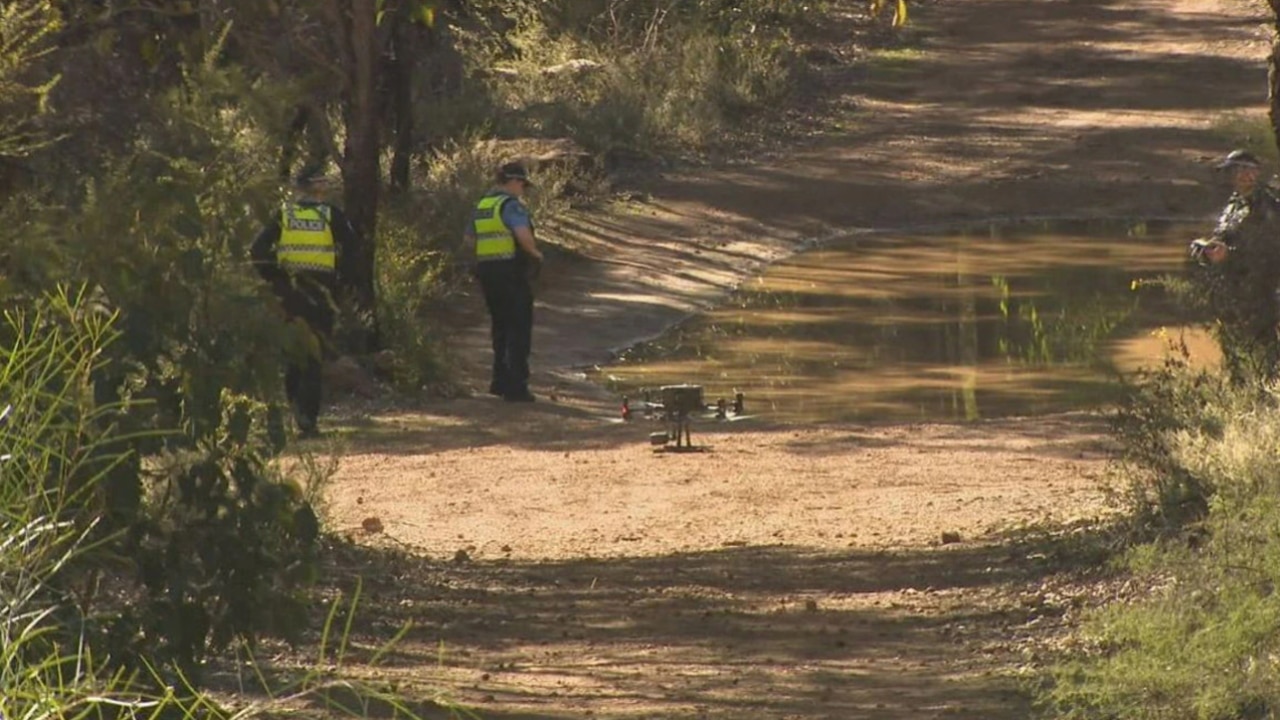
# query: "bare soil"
{"points": [[555, 566]]}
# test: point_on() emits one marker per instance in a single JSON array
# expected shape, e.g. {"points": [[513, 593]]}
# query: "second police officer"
{"points": [[506, 260]]}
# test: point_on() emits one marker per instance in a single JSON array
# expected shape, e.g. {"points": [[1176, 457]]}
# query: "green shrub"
{"points": [[211, 543], [1164, 408], [215, 544], [668, 78], [1205, 641], [58, 448], [411, 288], [69, 563], [28, 28]]}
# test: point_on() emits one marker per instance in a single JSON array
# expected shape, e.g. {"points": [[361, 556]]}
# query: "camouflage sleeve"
{"points": [[1225, 225], [1231, 221]]}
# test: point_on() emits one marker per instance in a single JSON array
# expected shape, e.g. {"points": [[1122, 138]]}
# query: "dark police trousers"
{"points": [[509, 297], [303, 377]]}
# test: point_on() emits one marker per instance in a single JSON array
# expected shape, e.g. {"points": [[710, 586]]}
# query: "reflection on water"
{"points": [[990, 321]]}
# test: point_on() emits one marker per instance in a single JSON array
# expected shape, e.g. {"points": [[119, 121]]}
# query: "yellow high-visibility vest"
{"points": [[494, 240], [306, 239]]}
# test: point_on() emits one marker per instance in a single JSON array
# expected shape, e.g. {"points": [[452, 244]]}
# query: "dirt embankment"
{"points": [[795, 572]]}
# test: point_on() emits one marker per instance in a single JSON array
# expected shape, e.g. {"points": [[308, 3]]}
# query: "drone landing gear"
{"points": [[679, 403], [677, 432]]}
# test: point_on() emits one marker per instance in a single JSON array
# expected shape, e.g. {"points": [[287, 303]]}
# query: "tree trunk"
{"points": [[1273, 86], [1273, 73], [403, 48], [297, 131], [361, 173]]}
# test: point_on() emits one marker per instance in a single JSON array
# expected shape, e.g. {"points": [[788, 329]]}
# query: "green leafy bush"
{"points": [[1204, 642], [659, 78], [58, 449], [84, 632], [64, 584], [202, 543], [215, 544], [411, 290], [1166, 406]]}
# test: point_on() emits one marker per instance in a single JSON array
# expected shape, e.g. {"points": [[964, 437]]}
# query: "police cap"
{"points": [[514, 171], [1239, 158], [310, 176]]}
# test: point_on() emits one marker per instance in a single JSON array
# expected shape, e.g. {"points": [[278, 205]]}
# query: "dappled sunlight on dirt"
{"points": [[770, 631]]}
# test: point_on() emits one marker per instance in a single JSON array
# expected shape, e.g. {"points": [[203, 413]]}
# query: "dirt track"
{"points": [[796, 572]]}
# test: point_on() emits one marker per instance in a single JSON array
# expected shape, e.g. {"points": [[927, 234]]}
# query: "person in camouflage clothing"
{"points": [[1239, 272]]}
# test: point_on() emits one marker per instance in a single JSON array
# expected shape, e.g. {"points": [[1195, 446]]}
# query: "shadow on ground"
{"points": [[973, 121], [760, 632]]}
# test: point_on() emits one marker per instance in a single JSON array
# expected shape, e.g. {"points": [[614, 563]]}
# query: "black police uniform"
{"points": [[509, 298], [505, 280], [308, 295]]}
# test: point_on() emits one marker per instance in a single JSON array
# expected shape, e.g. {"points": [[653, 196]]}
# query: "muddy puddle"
{"points": [[986, 321]]}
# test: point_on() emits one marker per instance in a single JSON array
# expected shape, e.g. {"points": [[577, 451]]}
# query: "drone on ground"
{"points": [[677, 406]]}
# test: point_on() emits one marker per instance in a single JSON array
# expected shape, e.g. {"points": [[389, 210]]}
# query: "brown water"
{"points": [[991, 321]]}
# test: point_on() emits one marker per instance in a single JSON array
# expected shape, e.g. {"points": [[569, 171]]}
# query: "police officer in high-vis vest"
{"points": [[302, 254], [506, 260]]}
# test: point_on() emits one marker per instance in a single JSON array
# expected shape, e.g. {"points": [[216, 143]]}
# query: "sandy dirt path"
{"points": [[793, 572]]}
